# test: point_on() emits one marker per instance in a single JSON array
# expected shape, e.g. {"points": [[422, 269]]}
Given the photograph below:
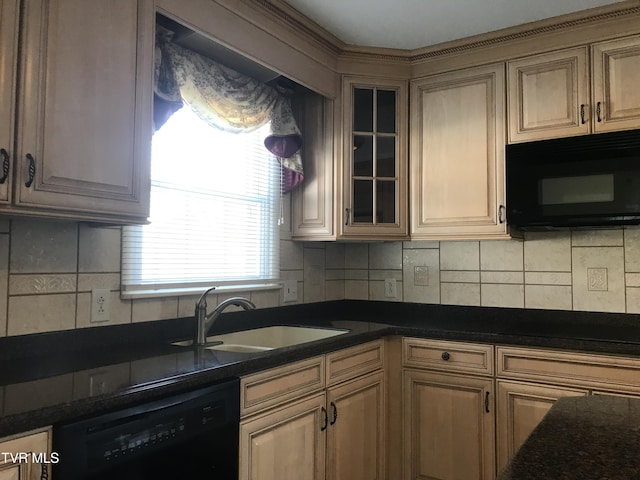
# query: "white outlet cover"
{"points": [[100, 305]]}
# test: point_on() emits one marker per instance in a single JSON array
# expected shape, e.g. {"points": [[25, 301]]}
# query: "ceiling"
{"points": [[412, 24]]}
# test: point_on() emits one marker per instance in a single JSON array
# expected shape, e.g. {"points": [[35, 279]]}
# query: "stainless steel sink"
{"points": [[266, 338]]}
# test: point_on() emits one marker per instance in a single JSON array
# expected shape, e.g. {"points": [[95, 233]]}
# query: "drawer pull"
{"points": [[446, 356]]}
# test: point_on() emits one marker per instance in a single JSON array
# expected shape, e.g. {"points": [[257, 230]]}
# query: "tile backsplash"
{"points": [[48, 269]]}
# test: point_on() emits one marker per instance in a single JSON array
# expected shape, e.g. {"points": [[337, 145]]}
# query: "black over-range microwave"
{"points": [[585, 181]]}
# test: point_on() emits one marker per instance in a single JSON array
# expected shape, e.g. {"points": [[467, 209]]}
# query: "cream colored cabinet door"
{"points": [[38, 444], [457, 147], [84, 108], [312, 202], [285, 443], [374, 157], [616, 76], [521, 406], [9, 16], [548, 96], [449, 430], [356, 432]]}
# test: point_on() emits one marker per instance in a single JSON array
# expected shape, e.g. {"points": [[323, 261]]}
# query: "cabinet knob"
{"points": [[5, 165], [446, 356], [32, 170]]}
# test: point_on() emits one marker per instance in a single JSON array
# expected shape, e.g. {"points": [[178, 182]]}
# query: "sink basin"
{"points": [[266, 338]]}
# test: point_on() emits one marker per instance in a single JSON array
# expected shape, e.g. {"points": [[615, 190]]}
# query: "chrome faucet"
{"points": [[205, 322]]}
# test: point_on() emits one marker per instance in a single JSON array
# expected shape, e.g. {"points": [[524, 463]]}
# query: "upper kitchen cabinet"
{"points": [[549, 94], [616, 76], [374, 196], [9, 15], [457, 155], [312, 202], [82, 109]]}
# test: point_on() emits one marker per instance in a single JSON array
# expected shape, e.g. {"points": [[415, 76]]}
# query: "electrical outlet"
{"points": [[390, 288], [100, 305], [290, 290]]}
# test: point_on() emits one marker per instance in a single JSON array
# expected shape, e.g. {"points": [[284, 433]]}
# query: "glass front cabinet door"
{"points": [[375, 159]]}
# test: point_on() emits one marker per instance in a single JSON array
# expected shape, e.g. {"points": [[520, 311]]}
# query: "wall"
{"points": [[593, 270], [48, 269]]}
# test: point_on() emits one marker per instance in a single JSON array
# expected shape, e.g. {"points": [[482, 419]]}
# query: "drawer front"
{"points": [[447, 356], [595, 371], [280, 385], [352, 362]]}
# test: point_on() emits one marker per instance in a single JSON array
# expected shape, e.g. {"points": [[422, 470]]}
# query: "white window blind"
{"points": [[214, 207]]}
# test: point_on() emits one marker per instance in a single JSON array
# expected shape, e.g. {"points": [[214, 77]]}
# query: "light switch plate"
{"points": [[290, 291]]}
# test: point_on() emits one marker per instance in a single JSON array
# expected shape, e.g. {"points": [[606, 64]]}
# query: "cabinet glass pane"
{"points": [[386, 157], [362, 201], [386, 201], [386, 112], [362, 156], [363, 110]]}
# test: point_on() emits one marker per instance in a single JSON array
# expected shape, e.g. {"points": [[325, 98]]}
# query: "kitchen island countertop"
{"points": [[582, 438]]}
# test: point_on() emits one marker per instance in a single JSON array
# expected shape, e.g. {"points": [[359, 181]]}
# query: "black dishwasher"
{"points": [[189, 435]]}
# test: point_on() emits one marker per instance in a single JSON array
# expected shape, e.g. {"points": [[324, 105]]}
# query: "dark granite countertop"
{"points": [[582, 438], [57, 377]]}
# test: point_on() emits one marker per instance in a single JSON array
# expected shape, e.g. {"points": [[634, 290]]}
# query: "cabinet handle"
{"points": [[486, 402], [5, 165], [446, 356], [582, 119], [501, 211], [326, 419], [346, 216], [32, 170], [599, 111], [44, 472], [335, 413]]}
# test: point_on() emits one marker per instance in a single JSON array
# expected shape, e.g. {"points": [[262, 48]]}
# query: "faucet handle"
{"points": [[202, 300]]}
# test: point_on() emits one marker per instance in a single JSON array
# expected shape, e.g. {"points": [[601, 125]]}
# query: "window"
{"points": [[214, 207]]}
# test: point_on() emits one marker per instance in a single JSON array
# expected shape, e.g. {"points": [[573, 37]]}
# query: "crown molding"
{"points": [[287, 15], [305, 26]]}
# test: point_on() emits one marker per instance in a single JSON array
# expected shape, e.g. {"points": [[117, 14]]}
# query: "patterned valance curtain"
{"points": [[227, 100]]}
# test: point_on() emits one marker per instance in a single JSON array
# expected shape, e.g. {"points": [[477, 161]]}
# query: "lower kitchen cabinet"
{"points": [[448, 426], [286, 442], [448, 410], [356, 433], [294, 426], [36, 446], [520, 408]]}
